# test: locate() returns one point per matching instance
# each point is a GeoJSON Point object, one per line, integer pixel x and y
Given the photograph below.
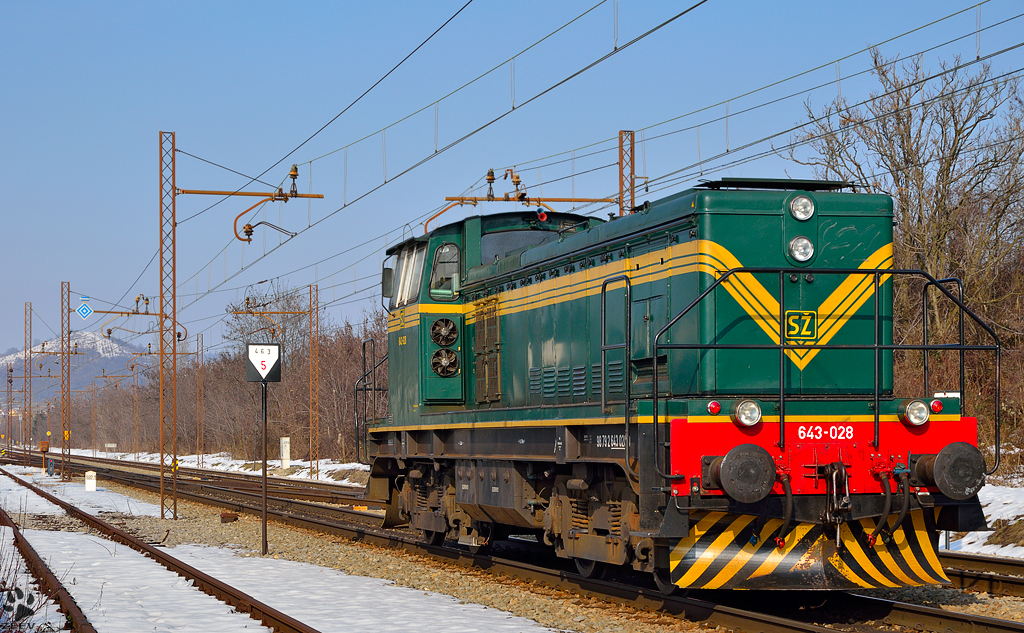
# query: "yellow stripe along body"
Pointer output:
{"type": "Point", "coordinates": [690, 257]}
{"type": "Point", "coordinates": [720, 553]}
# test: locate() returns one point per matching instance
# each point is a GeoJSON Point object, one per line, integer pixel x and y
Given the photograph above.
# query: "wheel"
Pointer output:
{"type": "Point", "coordinates": [590, 568]}
{"type": "Point", "coordinates": [430, 537]}
{"type": "Point", "coordinates": [663, 580]}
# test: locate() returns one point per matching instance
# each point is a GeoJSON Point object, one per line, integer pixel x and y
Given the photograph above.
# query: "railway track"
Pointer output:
{"type": "Point", "coordinates": [773, 615]}
{"type": "Point", "coordinates": [242, 602]}
{"type": "Point", "coordinates": [48, 582]}
{"type": "Point", "coordinates": [301, 489]}
{"type": "Point", "coordinates": [992, 574]}
{"type": "Point", "coordinates": [998, 576]}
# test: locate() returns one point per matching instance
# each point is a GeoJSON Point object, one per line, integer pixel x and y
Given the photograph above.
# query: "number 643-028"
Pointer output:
{"type": "Point", "coordinates": [818, 432]}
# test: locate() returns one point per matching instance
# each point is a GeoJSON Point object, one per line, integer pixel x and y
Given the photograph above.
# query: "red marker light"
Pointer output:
{"type": "Point", "coordinates": [714, 408]}
{"type": "Point", "coordinates": [543, 217]}
{"type": "Point", "coordinates": [936, 406]}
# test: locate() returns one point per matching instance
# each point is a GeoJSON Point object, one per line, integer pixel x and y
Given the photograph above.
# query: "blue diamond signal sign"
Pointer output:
{"type": "Point", "coordinates": [84, 311]}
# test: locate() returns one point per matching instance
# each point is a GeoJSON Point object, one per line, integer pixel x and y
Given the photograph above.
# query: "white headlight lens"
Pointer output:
{"type": "Point", "coordinates": [915, 412]}
{"type": "Point", "coordinates": [801, 249]}
{"type": "Point", "coordinates": [747, 413]}
{"type": "Point", "coordinates": [801, 208]}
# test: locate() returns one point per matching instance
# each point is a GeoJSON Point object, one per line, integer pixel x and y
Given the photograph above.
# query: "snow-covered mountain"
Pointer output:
{"type": "Point", "coordinates": [95, 356]}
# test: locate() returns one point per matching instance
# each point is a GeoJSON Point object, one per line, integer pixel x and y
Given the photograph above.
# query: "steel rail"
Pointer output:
{"type": "Point", "coordinates": [250, 501]}
{"type": "Point", "coordinates": [888, 612]}
{"type": "Point", "coordinates": [51, 585]}
{"type": "Point", "coordinates": [705, 611]}
{"type": "Point", "coordinates": [923, 618]}
{"type": "Point", "coordinates": [301, 489]}
{"type": "Point", "coordinates": [242, 602]}
{"type": "Point", "coordinates": [992, 574]}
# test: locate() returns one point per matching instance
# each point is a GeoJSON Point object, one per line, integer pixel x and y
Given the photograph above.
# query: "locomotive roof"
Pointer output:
{"type": "Point", "coordinates": [787, 184]}
{"type": "Point", "coordinates": [508, 220]}
{"type": "Point", "coordinates": [754, 196]}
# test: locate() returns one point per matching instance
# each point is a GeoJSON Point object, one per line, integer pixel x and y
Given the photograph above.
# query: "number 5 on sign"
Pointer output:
{"type": "Point", "coordinates": [263, 362]}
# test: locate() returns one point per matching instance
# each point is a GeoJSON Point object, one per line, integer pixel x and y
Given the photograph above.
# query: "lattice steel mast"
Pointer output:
{"type": "Point", "coordinates": [627, 172]}
{"type": "Point", "coordinates": [168, 333]}
{"type": "Point", "coordinates": [26, 411]}
{"type": "Point", "coordinates": [65, 381]}
{"type": "Point", "coordinates": [314, 381]}
{"type": "Point", "coordinates": [200, 445]}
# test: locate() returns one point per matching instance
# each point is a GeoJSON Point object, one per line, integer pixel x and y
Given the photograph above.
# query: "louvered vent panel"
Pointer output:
{"type": "Point", "coordinates": [615, 384]}
{"type": "Point", "coordinates": [579, 380]}
{"type": "Point", "coordinates": [535, 380]}
{"type": "Point", "coordinates": [549, 386]}
{"type": "Point", "coordinates": [564, 380]}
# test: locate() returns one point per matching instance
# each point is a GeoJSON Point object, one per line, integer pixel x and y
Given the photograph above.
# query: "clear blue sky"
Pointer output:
{"type": "Point", "coordinates": [88, 86]}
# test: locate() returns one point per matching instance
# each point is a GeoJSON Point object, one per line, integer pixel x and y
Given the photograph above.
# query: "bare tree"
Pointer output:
{"type": "Point", "coordinates": [948, 148]}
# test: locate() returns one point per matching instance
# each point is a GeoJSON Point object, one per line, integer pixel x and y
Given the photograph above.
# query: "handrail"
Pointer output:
{"type": "Point", "coordinates": [360, 386]}
{"type": "Point", "coordinates": [782, 346]}
{"type": "Point", "coordinates": [627, 347]}
{"type": "Point", "coordinates": [924, 322]}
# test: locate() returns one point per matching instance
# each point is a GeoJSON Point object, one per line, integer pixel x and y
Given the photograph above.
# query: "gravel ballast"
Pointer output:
{"type": "Point", "coordinates": [558, 609]}
{"type": "Point", "coordinates": [562, 610]}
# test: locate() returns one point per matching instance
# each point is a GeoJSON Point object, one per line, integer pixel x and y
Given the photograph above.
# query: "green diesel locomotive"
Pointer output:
{"type": "Point", "coordinates": [701, 389]}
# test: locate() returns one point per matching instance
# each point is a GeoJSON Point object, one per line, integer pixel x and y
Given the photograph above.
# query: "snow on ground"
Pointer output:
{"type": "Point", "coordinates": [22, 603]}
{"type": "Point", "coordinates": [17, 500]}
{"type": "Point", "coordinates": [331, 601]}
{"type": "Point", "coordinates": [998, 502]}
{"type": "Point", "coordinates": [299, 469]}
{"type": "Point", "coordinates": [103, 500]}
{"type": "Point", "coordinates": [121, 591]}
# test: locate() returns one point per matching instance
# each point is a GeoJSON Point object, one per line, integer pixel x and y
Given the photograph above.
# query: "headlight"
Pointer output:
{"type": "Point", "coordinates": [914, 412]}
{"type": "Point", "coordinates": [746, 412]}
{"type": "Point", "coordinates": [801, 249]}
{"type": "Point", "coordinates": [801, 208]}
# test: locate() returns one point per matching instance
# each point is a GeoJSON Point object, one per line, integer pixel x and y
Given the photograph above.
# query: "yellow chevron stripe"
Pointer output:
{"type": "Point", "coordinates": [840, 565]}
{"type": "Point", "coordinates": [794, 537]}
{"type": "Point", "coordinates": [899, 537]}
{"type": "Point", "coordinates": [744, 555]}
{"type": "Point", "coordinates": [714, 550]}
{"type": "Point", "coordinates": [679, 552]}
{"type": "Point", "coordinates": [883, 553]}
{"type": "Point", "coordinates": [925, 540]}
{"type": "Point", "coordinates": [853, 546]}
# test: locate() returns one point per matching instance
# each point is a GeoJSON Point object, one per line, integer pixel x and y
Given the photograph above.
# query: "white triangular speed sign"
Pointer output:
{"type": "Point", "coordinates": [264, 358]}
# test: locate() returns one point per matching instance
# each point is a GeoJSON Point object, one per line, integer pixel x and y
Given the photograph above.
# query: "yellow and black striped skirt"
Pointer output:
{"type": "Point", "coordinates": [734, 551]}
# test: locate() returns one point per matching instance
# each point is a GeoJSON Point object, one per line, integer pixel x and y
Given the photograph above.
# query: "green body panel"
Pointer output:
{"type": "Point", "coordinates": [549, 304]}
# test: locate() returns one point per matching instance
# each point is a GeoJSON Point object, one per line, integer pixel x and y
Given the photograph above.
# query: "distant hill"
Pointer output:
{"type": "Point", "coordinates": [96, 355]}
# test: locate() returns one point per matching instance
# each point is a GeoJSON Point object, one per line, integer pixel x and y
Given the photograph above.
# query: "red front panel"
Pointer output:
{"type": "Point", "coordinates": [809, 444]}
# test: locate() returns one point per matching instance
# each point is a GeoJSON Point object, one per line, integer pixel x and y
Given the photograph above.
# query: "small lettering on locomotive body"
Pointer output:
{"type": "Point", "coordinates": [610, 440]}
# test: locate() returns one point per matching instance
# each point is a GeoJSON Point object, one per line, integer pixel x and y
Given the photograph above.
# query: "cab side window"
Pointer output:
{"type": "Point", "coordinates": [444, 277]}
{"type": "Point", "coordinates": [408, 273]}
